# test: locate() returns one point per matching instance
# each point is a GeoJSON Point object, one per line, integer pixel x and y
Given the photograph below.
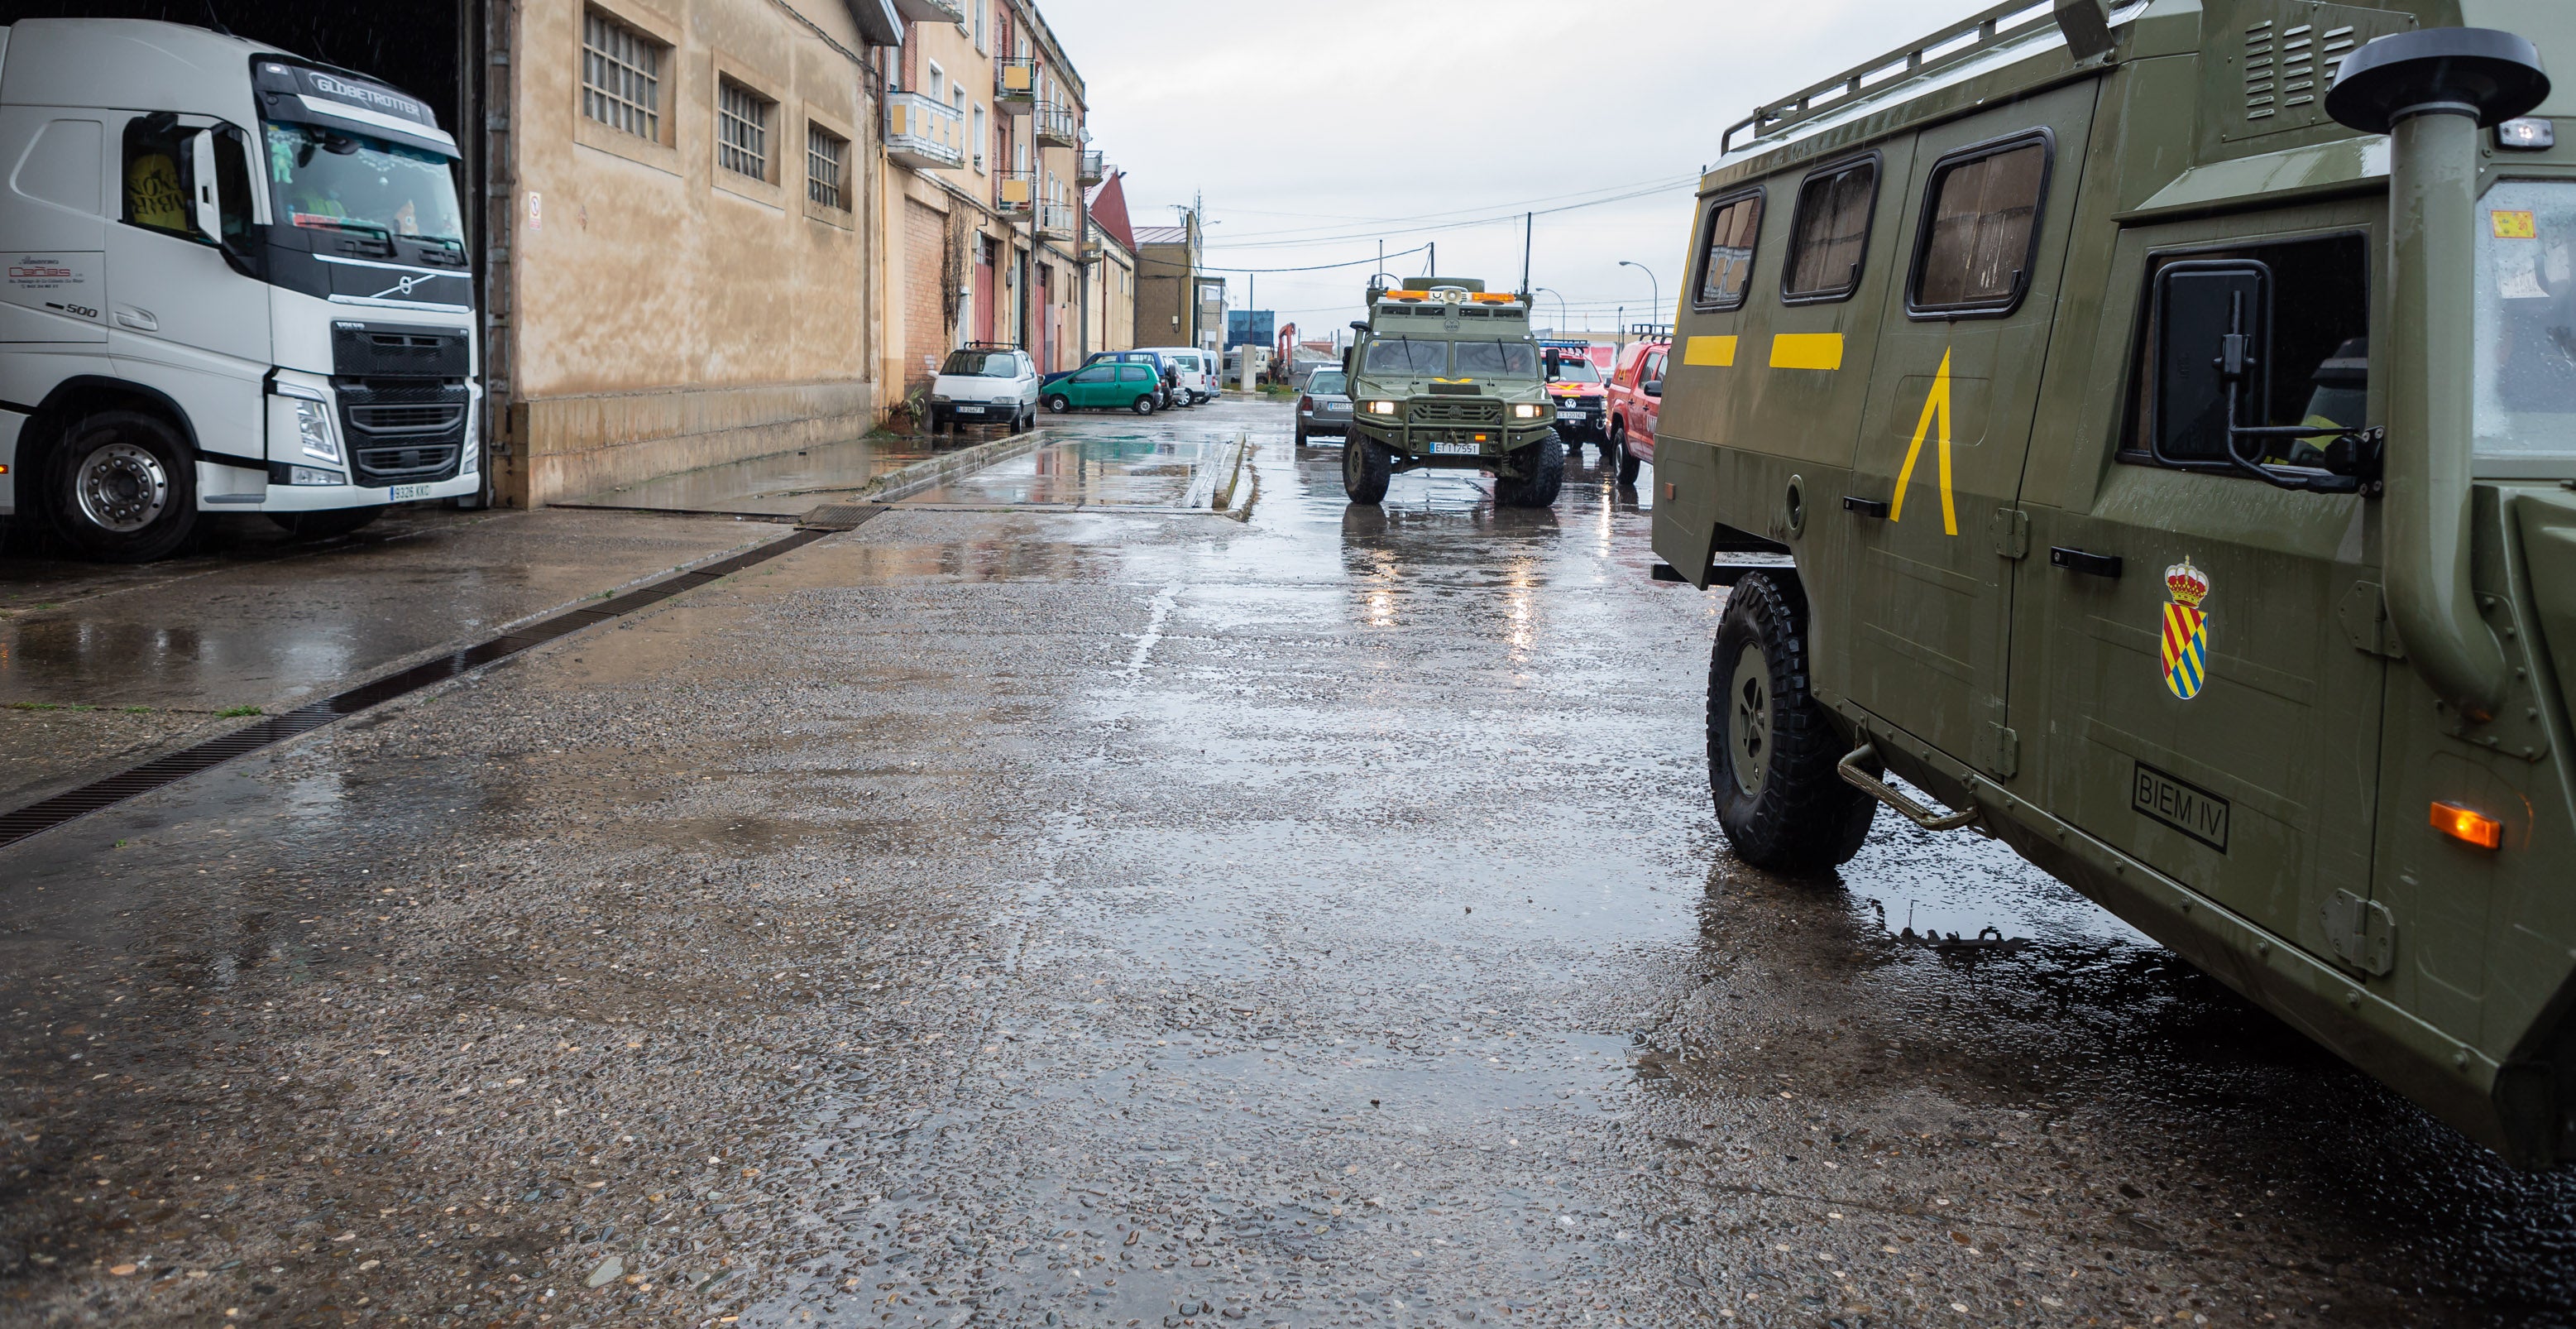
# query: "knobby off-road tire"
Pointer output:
{"type": "Point", "coordinates": [1771, 749]}
{"type": "Point", "coordinates": [121, 487]}
{"type": "Point", "coordinates": [321, 525]}
{"type": "Point", "coordinates": [1544, 461]}
{"type": "Point", "coordinates": [1366, 470]}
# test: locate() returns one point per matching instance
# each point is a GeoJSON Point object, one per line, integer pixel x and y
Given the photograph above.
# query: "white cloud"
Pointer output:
{"type": "Point", "coordinates": [1303, 123]}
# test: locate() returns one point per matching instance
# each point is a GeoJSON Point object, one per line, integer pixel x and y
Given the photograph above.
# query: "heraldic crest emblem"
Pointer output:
{"type": "Point", "coordinates": [2185, 648]}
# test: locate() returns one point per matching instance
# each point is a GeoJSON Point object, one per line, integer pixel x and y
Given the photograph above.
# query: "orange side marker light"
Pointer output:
{"type": "Point", "coordinates": [2468, 827]}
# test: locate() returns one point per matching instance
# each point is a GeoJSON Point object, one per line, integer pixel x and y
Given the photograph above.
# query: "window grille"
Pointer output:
{"type": "Point", "coordinates": [742, 130]}
{"type": "Point", "coordinates": [824, 152]}
{"type": "Point", "coordinates": [621, 77]}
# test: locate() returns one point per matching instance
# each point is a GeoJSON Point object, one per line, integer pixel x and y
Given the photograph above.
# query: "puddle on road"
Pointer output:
{"type": "Point", "coordinates": [787, 484]}
{"type": "Point", "coordinates": [1140, 466]}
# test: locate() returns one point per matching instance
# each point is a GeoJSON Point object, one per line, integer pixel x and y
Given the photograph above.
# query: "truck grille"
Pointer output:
{"type": "Point", "coordinates": [1456, 413]}
{"type": "Point", "coordinates": [404, 432]}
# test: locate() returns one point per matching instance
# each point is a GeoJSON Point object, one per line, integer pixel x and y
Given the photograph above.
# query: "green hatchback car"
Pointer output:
{"type": "Point", "coordinates": [1105, 386]}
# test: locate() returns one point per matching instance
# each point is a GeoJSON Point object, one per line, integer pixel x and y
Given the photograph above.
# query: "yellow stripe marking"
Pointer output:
{"type": "Point", "coordinates": [1717, 351]}
{"type": "Point", "coordinates": [1807, 350]}
{"type": "Point", "coordinates": [1936, 401]}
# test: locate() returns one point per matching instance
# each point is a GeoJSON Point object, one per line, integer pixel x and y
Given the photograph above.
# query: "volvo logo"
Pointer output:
{"type": "Point", "coordinates": [405, 286]}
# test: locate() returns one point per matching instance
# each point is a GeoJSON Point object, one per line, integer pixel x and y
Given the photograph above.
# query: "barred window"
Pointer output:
{"type": "Point", "coordinates": [824, 153]}
{"type": "Point", "coordinates": [621, 76]}
{"type": "Point", "coordinates": [742, 129]}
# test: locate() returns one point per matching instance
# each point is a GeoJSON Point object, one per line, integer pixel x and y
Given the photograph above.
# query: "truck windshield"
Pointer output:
{"type": "Point", "coordinates": [1497, 359]}
{"type": "Point", "coordinates": [1403, 355]}
{"type": "Point", "coordinates": [2526, 321]}
{"type": "Point", "coordinates": [328, 179]}
{"type": "Point", "coordinates": [1574, 371]}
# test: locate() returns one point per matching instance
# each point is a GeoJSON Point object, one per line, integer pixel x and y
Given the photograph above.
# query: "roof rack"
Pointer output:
{"type": "Point", "coordinates": [1958, 42]}
{"type": "Point", "coordinates": [990, 346]}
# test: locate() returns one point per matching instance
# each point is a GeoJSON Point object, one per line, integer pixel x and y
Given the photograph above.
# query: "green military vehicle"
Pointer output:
{"type": "Point", "coordinates": [2149, 430]}
{"type": "Point", "coordinates": [1445, 375]}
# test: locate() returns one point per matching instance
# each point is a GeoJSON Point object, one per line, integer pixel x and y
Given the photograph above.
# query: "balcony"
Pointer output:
{"type": "Point", "coordinates": [1015, 193]}
{"type": "Point", "coordinates": [1058, 126]}
{"type": "Point", "coordinates": [924, 134]}
{"type": "Point", "coordinates": [1094, 168]}
{"type": "Point", "coordinates": [1057, 221]}
{"type": "Point", "coordinates": [1015, 82]}
{"type": "Point", "coordinates": [932, 11]}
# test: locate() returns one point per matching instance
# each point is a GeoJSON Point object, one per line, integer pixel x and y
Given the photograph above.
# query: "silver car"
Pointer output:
{"type": "Point", "coordinates": [1326, 407]}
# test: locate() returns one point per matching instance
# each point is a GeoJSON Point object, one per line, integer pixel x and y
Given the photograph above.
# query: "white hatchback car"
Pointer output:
{"type": "Point", "coordinates": [982, 385]}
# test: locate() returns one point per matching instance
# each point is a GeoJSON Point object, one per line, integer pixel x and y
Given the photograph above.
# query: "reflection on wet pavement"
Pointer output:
{"type": "Point", "coordinates": [1039, 917]}
{"type": "Point", "coordinates": [787, 484]}
{"type": "Point", "coordinates": [1168, 461]}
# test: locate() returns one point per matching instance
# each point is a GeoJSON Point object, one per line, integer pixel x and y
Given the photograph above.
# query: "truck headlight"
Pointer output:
{"type": "Point", "coordinates": [1525, 412]}
{"type": "Point", "coordinates": [1381, 408]}
{"type": "Point", "coordinates": [307, 475]}
{"type": "Point", "coordinates": [314, 431]}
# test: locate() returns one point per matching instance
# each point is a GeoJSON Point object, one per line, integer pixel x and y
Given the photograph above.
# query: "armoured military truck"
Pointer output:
{"type": "Point", "coordinates": [1445, 374]}
{"type": "Point", "coordinates": [2149, 431]}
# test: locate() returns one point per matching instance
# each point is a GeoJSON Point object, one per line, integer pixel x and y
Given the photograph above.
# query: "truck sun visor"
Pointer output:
{"type": "Point", "coordinates": [321, 96]}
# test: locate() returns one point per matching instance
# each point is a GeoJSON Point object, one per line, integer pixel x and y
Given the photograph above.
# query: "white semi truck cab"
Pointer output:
{"type": "Point", "coordinates": [236, 281]}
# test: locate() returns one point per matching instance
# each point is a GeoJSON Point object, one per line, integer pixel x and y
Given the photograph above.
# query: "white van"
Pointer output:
{"type": "Point", "coordinates": [986, 384]}
{"type": "Point", "coordinates": [235, 281]}
{"type": "Point", "coordinates": [1197, 376]}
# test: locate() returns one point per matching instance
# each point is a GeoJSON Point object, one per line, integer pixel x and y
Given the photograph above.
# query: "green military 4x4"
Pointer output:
{"type": "Point", "coordinates": [1445, 375]}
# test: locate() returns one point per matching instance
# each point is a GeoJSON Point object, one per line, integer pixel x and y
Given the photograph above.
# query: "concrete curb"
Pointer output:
{"type": "Point", "coordinates": [926, 473]}
{"type": "Point", "coordinates": [1233, 496]}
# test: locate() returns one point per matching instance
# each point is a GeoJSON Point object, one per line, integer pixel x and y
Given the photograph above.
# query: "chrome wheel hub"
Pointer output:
{"type": "Point", "coordinates": [121, 488]}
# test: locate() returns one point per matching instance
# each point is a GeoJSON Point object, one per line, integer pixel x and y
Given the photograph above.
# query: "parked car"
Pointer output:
{"type": "Point", "coordinates": [1195, 374]}
{"type": "Point", "coordinates": [985, 385]}
{"type": "Point", "coordinates": [1166, 372]}
{"type": "Point", "coordinates": [1635, 393]}
{"type": "Point", "coordinates": [1326, 406]}
{"type": "Point", "coordinates": [1111, 385]}
{"type": "Point", "coordinates": [1574, 383]}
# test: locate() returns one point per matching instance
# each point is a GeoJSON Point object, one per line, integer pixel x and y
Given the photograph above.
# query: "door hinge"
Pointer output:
{"type": "Point", "coordinates": [2003, 751]}
{"type": "Point", "coordinates": [2361, 933]}
{"type": "Point", "coordinates": [2365, 621]}
{"type": "Point", "coordinates": [2012, 532]}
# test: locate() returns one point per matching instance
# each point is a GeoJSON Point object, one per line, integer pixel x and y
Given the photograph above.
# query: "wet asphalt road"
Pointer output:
{"type": "Point", "coordinates": [1124, 918]}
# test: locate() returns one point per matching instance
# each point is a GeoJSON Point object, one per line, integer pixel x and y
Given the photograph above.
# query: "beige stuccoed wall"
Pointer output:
{"type": "Point", "coordinates": [672, 314]}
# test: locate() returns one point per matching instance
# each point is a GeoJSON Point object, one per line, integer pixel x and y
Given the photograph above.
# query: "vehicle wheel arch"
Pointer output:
{"type": "Point", "coordinates": [87, 394]}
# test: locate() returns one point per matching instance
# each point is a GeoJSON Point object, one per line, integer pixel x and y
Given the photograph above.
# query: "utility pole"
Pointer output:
{"type": "Point", "coordinates": [1435, 260]}
{"type": "Point", "coordinates": [1527, 220]}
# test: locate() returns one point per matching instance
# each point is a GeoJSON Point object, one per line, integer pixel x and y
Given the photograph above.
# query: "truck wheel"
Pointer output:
{"type": "Point", "coordinates": [322, 525]}
{"type": "Point", "coordinates": [1610, 447]}
{"type": "Point", "coordinates": [1544, 462]}
{"type": "Point", "coordinates": [1366, 469]}
{"type": "Point", "coordinates": [1771, 749]}
{"type": "Point", "coordinates": [122, 487]}
{"type": "Point", "coordinates": [1627, 463]}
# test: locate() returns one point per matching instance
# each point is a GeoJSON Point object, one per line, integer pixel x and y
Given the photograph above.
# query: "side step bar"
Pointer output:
{"type": "Point", "coordinates": [1853, 774]}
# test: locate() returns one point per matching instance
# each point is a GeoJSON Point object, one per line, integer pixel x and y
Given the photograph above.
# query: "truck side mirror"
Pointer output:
{"type": "Point", "coordinates": [2213, 335]}
{"type": "Point", "coordinates": [203, 202]}
{"type": "Point", "coordinates": [1654, 387]}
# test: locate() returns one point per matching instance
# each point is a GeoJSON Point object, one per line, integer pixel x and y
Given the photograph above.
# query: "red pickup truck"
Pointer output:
{"type": "Point", "coordinates": [1634, 394]}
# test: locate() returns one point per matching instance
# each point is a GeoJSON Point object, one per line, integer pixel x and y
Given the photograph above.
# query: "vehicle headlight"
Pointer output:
{"type": "Point", "coordinates": [940, 399]}
{"type": "Point", "coordinates": [1381, 408]}
{"type": "Point", "coordinates": [307, 475]}
{"type": "Point", "coordinates": [314, 431]}
{"type": "Point", "coordinates": [1525, 411]}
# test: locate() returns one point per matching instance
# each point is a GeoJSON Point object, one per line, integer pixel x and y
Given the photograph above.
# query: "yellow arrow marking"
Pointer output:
{"type": "Point", "coordinates": [1938, 402]}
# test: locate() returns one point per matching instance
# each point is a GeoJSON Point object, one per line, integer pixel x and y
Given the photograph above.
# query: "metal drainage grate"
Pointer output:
{"type": "Point", "coordinates": [37, 818]}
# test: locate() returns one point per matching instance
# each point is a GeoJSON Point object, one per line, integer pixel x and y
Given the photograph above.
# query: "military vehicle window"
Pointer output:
{"type": "Point", "coordinates": [1402, 355]}
{"type": "Point", "coordinates": [1726, 259]}
{"type": "Point", "coordinates": [1980, 229]}
{"type": "Point", "coordinates": [1497, 359]}
{"type": "Point", "coordinates": [2526, 321]}
{"type": "Point", "coordinates": [1829, 232]}
{"type": "Point", "coordinates": [2306, 306]}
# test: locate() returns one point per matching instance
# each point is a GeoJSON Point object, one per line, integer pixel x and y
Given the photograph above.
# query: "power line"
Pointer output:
{"type": "Point", "coordinates": [1660, 182]}
{"type": "Point", "coordinates": [1444, 226]}
{"type": "Point", "coordinates": [1322, 267]}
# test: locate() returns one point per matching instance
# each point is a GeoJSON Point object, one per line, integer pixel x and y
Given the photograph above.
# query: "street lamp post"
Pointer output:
{"type": "Point", "coordinates": [1562, 317]}
{"type": "Point", "coordinates": [1650, 276]}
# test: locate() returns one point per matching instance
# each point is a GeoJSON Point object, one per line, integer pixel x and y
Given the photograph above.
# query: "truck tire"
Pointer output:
{"type": "Point", "coordinates": [1545, 463]}
{"type": "Point", "coordinates": [1771, 748]}
{"type": "Point", "coordinates": [1610, 447]}
{"type": "Point", "coordinates": [121, 487]}
{"type": "Point", "coordinates": [323, 525]}
{"type": "Point", "coordinates": [1366, 469]}
{"type": "Point", "coordinates": [1627, 462]}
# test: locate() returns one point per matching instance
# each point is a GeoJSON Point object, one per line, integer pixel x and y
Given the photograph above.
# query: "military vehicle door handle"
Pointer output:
{"type": "Point", "coordinates": [1867, 507]}
{"type": "Point", "coordinates": [2092, 565]}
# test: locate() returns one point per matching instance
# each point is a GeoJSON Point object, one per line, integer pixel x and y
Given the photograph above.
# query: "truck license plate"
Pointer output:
{"type": "Point", "coordinates": [1577, 417]}
{"type": "Point", "coordinates": [406, 493]}
{"type": "Point", "coordinates": [1457, 449]}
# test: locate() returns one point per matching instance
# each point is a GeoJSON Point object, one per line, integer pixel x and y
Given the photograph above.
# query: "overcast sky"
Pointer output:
{"type": "Point", "coordinates": [1314, 127]}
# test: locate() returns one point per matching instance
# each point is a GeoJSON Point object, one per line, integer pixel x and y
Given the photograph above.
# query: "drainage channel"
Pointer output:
{"type": "Point", "coordinates": [37, 818]}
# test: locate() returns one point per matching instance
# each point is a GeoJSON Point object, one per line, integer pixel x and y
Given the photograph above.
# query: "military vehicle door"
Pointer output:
{"type": "Point", "coordinates": [1947, 422]}
{"type": "Point", "coordinates": [2201, 657]}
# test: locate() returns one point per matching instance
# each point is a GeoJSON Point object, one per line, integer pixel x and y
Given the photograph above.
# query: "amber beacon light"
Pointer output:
{"type": "Point", "coordinates": [2468, 827]}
